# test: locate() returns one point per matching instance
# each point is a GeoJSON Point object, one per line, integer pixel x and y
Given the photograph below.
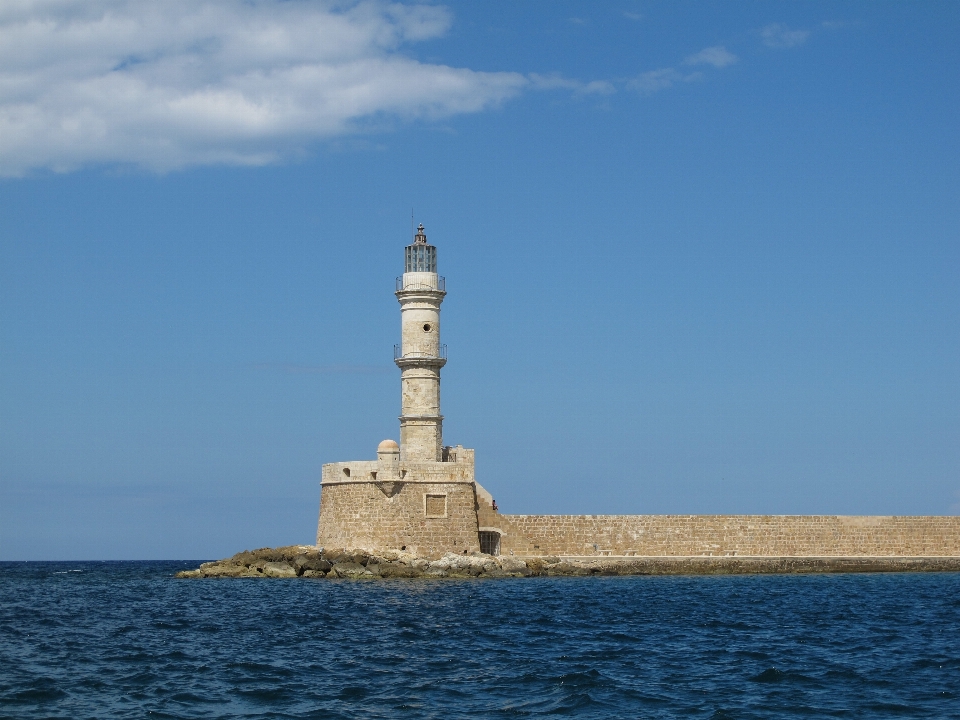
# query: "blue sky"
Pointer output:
{"type": "Point", "coordinates": [700, 258]}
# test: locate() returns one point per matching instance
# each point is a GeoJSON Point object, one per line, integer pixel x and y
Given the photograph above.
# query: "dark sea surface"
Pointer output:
{"type": "Point", "coordinates": [126, 639]}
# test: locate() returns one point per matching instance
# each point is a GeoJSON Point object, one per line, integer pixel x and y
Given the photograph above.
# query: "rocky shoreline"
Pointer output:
{"type": "Point", "coordinates": [306, 561]}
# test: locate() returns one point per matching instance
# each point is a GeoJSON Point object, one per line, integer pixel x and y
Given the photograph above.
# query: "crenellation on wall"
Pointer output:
{"type": "Point", "coordinates": [355, 471]}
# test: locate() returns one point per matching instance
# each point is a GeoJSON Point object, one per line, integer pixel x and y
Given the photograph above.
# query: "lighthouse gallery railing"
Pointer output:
{"type": "Point", "coordinates": [417, 353]}
{"type": "Point", "coordinates": [441, 285]}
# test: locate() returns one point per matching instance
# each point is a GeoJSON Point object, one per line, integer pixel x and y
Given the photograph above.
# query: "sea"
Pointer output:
{"type": "Point", "coordinates": [128, 640]}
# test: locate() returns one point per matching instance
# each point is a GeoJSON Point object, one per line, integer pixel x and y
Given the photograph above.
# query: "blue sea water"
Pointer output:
{"type": "Point", "coordinates": [127, 640]}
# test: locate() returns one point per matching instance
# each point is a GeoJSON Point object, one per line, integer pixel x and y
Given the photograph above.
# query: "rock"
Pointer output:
{"type": "Point", "coordinates": [223, 568]}
{"type": "Point", "coordinates": [566, 568]}
{"type": "Point", "coordinates": [513, 565]}
{"type": "Point", "coordinates": [348, 565]}
{"type": "Point", "coordinates": [336, 557]}
{"type": "Point", "coordinates": [282, 554]}
{"type": "Point", "coordinates": [350, 570]}
{"type": "Point", "coordinates": [311, 562]}
{"type": "Point", "coordinates": [496, 572]}
{"type": "Point", "coordinates": [472, 565]}
{"type": "Point", "coordinates": [536, 566]}
{"type": "Point", "coordinates": [396, 570]}
{"type": "Point", "coordinates": [616, 568]}
{"type": "Point", "coordinates": [360, 557]}
{"type": "Point", "coordinates": [268, 554]}
{"type": "Point", "coordinates": [331, 554]}
{"type": "Point", "coordinates": [303, 563]}
{"type": "Point", "coordinates": [446, 562]}
{"type": "Point", "coordinates": [244, 558]}
{"type": "Point", "coordinates": [279, 570]}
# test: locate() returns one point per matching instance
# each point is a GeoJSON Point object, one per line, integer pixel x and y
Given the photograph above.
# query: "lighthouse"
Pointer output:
{"type": "Point", "coordinates": [419, 495]}
{"type": "Point", "coordinates": [420, 354]}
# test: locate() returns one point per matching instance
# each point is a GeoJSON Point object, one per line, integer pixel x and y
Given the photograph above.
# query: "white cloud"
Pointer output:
{"type": "Point", "coordinates": [578, 87]}
{"type": "Point", "coordinates": [655, 80]}
{"type": "Point", "coordinates": [175, 83]}
{"type": "Point", "coordinates": [718, 56]}
{"type": "Point", "coordinates": [778, 35]}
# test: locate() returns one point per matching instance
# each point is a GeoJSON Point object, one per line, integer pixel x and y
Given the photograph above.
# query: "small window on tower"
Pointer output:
{"type": "Point", "coordinates": [426, 328]}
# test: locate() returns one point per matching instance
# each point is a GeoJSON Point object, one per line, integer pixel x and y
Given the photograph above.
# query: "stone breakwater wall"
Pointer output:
{"type": "Point", "coordinates": [304, 561]}
{"type": "Point", "coordinates": [727, 535]}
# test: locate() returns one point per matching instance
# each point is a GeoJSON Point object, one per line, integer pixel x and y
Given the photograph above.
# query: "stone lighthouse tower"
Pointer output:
{"type": "Point", "coordinates": [420, 355]}
{"type": "Point", "coordinates": [419, 496]}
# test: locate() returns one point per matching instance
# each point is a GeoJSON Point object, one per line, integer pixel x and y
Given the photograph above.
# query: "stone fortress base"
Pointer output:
{"type": "Point", "coordinates": [396, 515]}
{"type": "Point", "coordinates": [361, 513]}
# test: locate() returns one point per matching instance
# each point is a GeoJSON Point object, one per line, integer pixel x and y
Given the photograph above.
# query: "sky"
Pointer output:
{"type": "Point", "coordinates": [700, 258]}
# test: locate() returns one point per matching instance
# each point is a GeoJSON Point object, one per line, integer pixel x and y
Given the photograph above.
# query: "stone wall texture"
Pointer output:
{"type": "Point", "coordinates": [394, 515]}
{"type": "Point", "coordinates": [726, 535]}
{"type": "Point", "coordinates": [363, 508]}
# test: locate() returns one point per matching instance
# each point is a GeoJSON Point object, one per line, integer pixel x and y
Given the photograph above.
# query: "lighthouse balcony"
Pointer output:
{"type": "Point", "coordinates": [429, 281]}
{"type": "Point", "coordinates": [415, 354]}
{"type": "Point", "coordinates": [420, 351]}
